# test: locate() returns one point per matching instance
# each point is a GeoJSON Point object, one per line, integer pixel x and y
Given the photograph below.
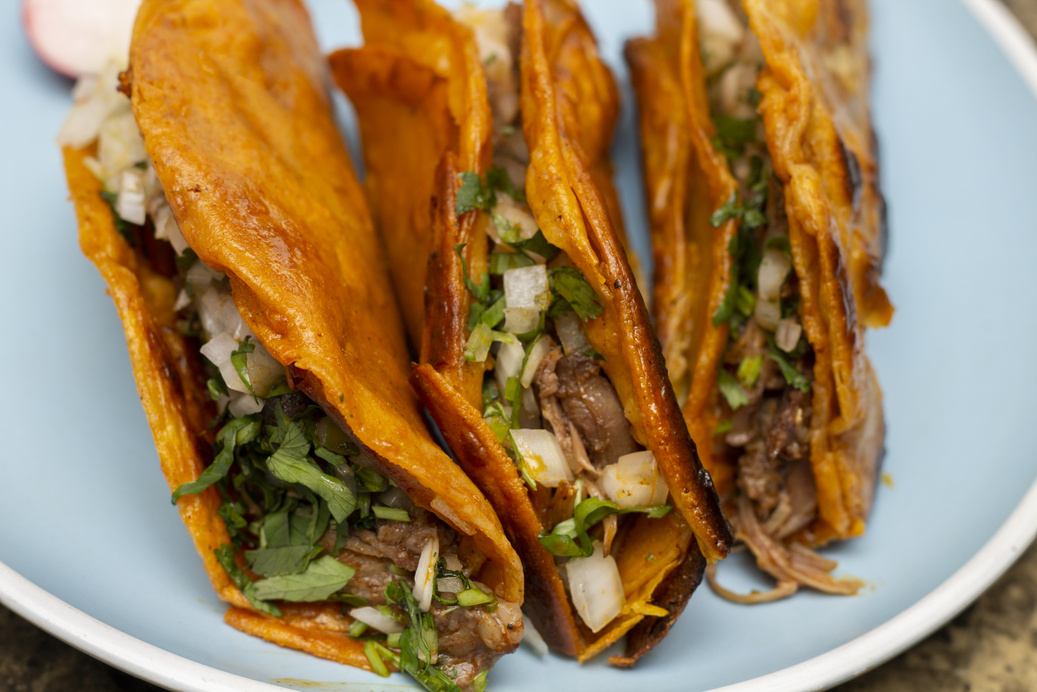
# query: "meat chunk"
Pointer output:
{"type": "Point", "coordinates": [591, 404]}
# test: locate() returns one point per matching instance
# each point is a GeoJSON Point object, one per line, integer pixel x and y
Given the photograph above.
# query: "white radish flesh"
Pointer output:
{"type": "Point", "coordinates": [77, 38]}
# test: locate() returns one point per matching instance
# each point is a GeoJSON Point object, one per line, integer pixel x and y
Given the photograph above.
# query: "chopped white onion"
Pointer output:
{"type": "Point", "coordinates": [532, 637]}
{"type": "Point", "coordinates": [537, 352]}
{"type": "Point", "coordinates": [130, 202]}
{"type": "Point", "coordinates": [96, 100]}
{"type": "Point", "coordinates": [509, 363]}
{"type": "Point", "coordinates": [597, 590]}
{"type": "Point", "coordinates": [786, 336]}
{"type": "Point", "coordinates": [634, 481]}
{"type": "Point", "coordinates": [218, 350]}
{"type": "Point", "coordinates": [452, 562]}
{"type": "Point", "coordinates": [734, 86]}
{"type": "Point", "coordinates": [543, 456]}
{"type": "Point", "coordinates": [449, 585]}
{"type": "Point", "coordinates": [570, 333]}
{"type": "Point", "coordinates": [516, 217]}
{"type": "Point", "coordinates": [774, 267]}
{"type": "Point", "coordinates": [521, 320]}
{"type": "Point", "coordinates": [425, 575]}
{"type": "Point", "coordinates": [201, 277]}
{"type": "Point", "coordinates": [767, 313]}
{"type": "Point", "coordinates": [720, 32]}
{"type": "Point", "coordinates": [244, 405]}
{"type": "Point", "coordinates": [218, 314]}
{"type": "Point", "coordinates": [372, 617]}
{"type": "Point", "coordinates": [167, 228]}
{"type": "Point", "coordinates": [527, 287]}
{"type": "Point", "coordinates": [263, 371]}
{"type": "Point", "coordinates": [119, 146]}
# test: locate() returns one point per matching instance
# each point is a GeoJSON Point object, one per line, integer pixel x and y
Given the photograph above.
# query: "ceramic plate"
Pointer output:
{"type": "Point", "coordinates": [92, 551]}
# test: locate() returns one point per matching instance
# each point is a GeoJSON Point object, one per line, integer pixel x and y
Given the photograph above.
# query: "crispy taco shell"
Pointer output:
{"type": "Point", "coordinates": [578, 212]}
{"type": "Point", "coordinates": [231, 102]}
{"type": "Point", "coordinates": [814, 109]}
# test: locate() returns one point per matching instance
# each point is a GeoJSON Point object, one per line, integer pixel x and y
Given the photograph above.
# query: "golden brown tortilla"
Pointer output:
{"type": "Point", "coordinates": [818, 132]}
{"type": "Point", "coordinates": [560, 67]}
{"type": "Point", "coordinates": [231, 103]}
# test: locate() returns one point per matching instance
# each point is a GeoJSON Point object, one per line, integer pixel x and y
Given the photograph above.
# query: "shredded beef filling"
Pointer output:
{"type": "Point", "coordinates": [470, 639]}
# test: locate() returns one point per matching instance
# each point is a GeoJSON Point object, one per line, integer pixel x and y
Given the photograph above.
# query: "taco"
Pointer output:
{"type": "Point", "coordinates": [768, 228]}
{"type": "Point", "coordinates": [270, 354]}
{"type": "Point", "coordinates": [538, 361]}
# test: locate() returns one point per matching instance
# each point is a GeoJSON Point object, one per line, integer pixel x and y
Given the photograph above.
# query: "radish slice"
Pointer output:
{"type": "Point", "coordinates": [597, 590]}
{"type": "Point", "coordinates": [543, 456]}
{"type": "Point", "coordinates": [77, 38]}
{"type": "Point", "coordinates": [372, 617]}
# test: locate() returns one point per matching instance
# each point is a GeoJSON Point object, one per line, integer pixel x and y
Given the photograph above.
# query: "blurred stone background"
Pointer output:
{"type": "Point", "coordinates": [990, 647]}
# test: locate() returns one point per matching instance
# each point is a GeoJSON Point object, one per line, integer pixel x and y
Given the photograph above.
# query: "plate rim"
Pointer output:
{"type": "Point", "coordinates": [868, 651]}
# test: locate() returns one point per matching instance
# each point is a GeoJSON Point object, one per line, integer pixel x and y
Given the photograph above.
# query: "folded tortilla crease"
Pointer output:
{"type": "Point", "coordinates": [418, 36]}
{"type": "Point", "coordinates": [231, 103]}
{"type": "Point", "coordinates": [814, 108]}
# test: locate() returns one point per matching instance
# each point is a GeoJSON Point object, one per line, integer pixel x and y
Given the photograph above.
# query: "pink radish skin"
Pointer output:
{"type": "Point", "coordinates": [77, 37]}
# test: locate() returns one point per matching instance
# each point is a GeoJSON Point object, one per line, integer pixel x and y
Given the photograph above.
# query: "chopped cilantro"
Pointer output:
{"type": "Point", "coordinates": [731, 389]}
{"type": "Point", "coordinates": [570, 285]}
{"type": "Point", "coordinates": [749, 370]}
{"type": "Point", "coordinates": [570, 539]}
{"type": "Point", "coordinates": [390, 513]}
{"type": "Point", "coordinates": [239, 359]}
{"type": "Point", "coordinates": [793, 376]}
{"type": "Point", "coordinates": [320, 579]}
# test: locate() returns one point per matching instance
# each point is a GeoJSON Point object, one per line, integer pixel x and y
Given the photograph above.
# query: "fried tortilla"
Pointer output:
{"type": "Point", "coordinates": [317, 437]}
{"type": "Point", "coordinates": [768, 230]}
{"type": "Point", "coordinates": [522, 183]}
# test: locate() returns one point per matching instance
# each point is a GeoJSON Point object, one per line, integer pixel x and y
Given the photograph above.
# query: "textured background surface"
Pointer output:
{"type": "Point", "coordinates": [991, 646]}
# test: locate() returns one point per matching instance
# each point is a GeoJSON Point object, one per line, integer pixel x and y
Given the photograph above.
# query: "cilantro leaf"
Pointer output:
{"type": "Point", "coordinates": [731, 389]}
{"type": "Point", "coordinates": [570, 539]}
{"type": "Point", "coordinates": [472, 195]}
{"type": "Point", "coordinates": [291, 464]}
{"type": "Point", "coordinates": [570, 285]}
{"type": "Point", "coordinates": [239, 359]}
{"type": "Point", "coordinates": [270, 562]}
{"type": "Point", "coordinates": [538, 244]}
{"type": "Point", "coordinates": [225, 555]}
{"type": "Point", "coordinates": [501, 262]}
{"type": "Point", "coordinates": [239, 431]}
{"type": "Point", "coordinates": [321, 578]}
{"type": "Point", "coordinates": [479, 290]}
{"type": "Point", "coordinates": [418, 642]}
{"type": "Point", "coordinates": [497, 179]}
{"type": "Point", "coordinates": [793, 376]}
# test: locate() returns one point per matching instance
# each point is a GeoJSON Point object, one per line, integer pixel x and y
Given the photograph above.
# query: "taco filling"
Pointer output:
{"type": "Point", "coordinates": [765, 376]}
{"type": "Point", "coordinates": [311, 517]}
{"type": "Point", "coordinates": [544, 392]}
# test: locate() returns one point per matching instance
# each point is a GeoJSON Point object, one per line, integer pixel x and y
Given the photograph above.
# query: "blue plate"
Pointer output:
{"type": "Point", "coordinates": [92, 551]}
